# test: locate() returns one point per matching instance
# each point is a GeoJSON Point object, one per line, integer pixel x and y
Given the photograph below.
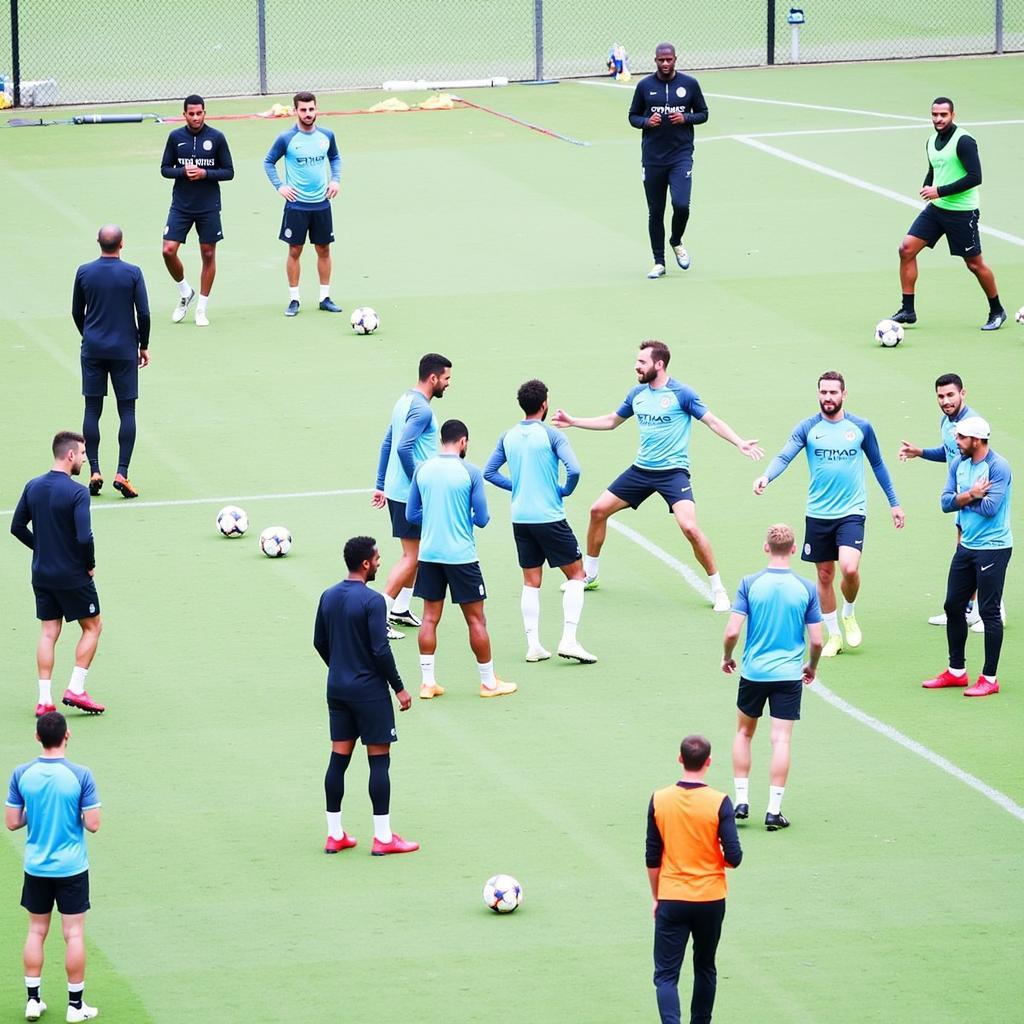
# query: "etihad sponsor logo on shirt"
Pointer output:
{"type": "Point", "coordinates": [835, 454]}
{"type": "Point", "coordinates": [647, 420]}
{"type": "Point", "coordinates": [317, 159]}
{"type": "Point", "coordinates": [668, 108]}
{"type": "Point", "coordinates": [197, 161]}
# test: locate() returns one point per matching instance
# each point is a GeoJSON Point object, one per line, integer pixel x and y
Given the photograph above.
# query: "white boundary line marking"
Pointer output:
{"type": "Point", "coordinates": [845, 131]}
{"type": "Point", "coordinates": [997, 797]}
{"type": "Point", "coordinates": [849, 179]}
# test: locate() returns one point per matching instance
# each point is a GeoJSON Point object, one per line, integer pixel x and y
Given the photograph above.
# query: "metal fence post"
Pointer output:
{"type": "Point", "coordinates": [15, 54]}
{"type": "Point", "coordinates": [261, 44]}
{"type": "Point", "coordinates": [770, 39]}
{"type": "Point", "coordinates": [999, 26]}
{"type": "Point", "coordinates": [538, 40]}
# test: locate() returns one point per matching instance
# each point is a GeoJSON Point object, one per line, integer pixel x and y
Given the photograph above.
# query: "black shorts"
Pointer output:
{"type": "Point", "coordinates": [434, 579]}
{"type": "Point", "coordinates": [71, 894]}
{"type": "Point", "coordinates": [824, 537]}
{"type": "Point", "coordinates": [180, 222]}
{"type": "Point", "coordinates": [123, 374]}
{"type": "Point", "coordinates": [554, 541]}
{"type": "Point", "coordinates": [959, 226]}
{"type": "Point", "coordinates": [636, 485]}
{"type": "Point", "coordinates": [297, 222]}
{"type": "Point", "coordinates": [372, 721]}
{"type": "Point", "coordinates": [783, 699]}
{"type": "Point", "coordinates": [677, 177]}
{"type": "Point", "coordinates": [71, 605]}
{"type": "Point", "coordinates": [400, 526]}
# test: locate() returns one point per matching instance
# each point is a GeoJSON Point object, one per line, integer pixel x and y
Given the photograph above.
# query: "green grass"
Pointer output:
{"type": "Point", "coordinates": [892, 898]}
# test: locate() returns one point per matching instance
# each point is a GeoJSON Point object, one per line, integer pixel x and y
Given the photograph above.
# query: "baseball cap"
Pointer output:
{"type": "Point", "coordinates": [974, 426]}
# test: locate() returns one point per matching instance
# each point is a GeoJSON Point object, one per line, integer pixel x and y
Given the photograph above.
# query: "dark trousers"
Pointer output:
{"type": "Point", "coordinates": [657, 183]}
{"type": "Point", "coordinates": [984, 571]}
{"type": "Point", "coordinates": [674, 923]}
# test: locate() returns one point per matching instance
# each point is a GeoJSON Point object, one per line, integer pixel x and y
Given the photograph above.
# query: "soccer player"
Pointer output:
{"type": "Point", "coordinates": [57, 801]}
{"type": "Point", "coordinates": [110, 308]}
{"type": "Point", "coordinates": [447, 498]}
{"type": "Point", "coordinates": [978, 488]}
{"type": "Point", "coordinates": [411, 438]}
{"type": "Point", "coordinates": [665, 107]}
{"type": "Point", "coordinates": [198, 159]}
{"type": "Point", "coordinates": [63, 566]}
{"type": "Point", "coordinates": [949, 390]}
{"type": "Point", "coordinates": [951, 189]}
{"type": "Point", "coordinates": [778, 607]}
{"type": "Point", "coordinates": [312, 179]}
{"type": "Point", "coordinates": [663, 408]}
{"type": "Point", "coordinates": [691, 840]}
{"type": "Point", "coordinates": [533, 452]}
{"type": "Point", "coordinates": [350, 635]}
{"type": "Point", "coordinates": [836, 444]}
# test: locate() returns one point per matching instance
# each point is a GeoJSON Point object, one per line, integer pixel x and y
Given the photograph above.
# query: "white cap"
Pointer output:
{"type": "Point", "coordinates": [973, 426]}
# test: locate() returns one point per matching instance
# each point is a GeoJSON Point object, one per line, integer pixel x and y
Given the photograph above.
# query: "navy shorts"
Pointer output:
{"type": "Point", "coordinates": [434, 579]}
{"type": "Point", "coordinates": [636, 485]}
{"type": "Point", "coordinates": [71, 894]}
{"type": "Point", "coordinates": [959, 226]}
{"type": "Point", "coordinates": [372, 721]}
{"type": "Point", "coordinates": [207, 225]}
{"type": "Point", "coordinates": [824, 537]}
{"type": "Point", "coordinates": [783, 699]}
{"type": "Point", "coordinates": [554, 541]}
{"type": "Point", "coordinates": [71, 605]}
{"type": "Point", "coordinates": [123, 374]}
{"type": "Point", "coordinates": [400, 526]}
{"type": "Point", "coordinates": [297, 222]}
{"type": "Point", "coordinates": [677, 178]}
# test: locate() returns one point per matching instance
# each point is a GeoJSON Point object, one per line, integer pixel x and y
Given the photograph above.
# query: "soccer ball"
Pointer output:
{"type": "Point", "coordinates": [365, 320]}
{"type": "Point", "coordinates": [275, 541]}
{"type": "Point", "coordinates": [232, 521]}
{"type": "Point", "coordinates": [1020, 315]}
{"type": "Point", "coordinates": [888, 333]}
{"type": "Point", "coordinates": [502, 894]}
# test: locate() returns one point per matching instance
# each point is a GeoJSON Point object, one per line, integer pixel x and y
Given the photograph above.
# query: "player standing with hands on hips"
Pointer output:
{"type": "Point", "coordinates": [665, 107]}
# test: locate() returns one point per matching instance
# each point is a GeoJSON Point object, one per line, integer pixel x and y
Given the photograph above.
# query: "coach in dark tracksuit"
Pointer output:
{"type": "Point", "coordinates": [666, 106]}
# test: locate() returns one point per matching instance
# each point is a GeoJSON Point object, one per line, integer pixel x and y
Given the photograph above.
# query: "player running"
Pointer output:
{"type": "Point", "coordinates": [312, 179]}
{"type": "Point", "coordinates": [836, 444]}
{"type": "Point", "coordinates": [951, 188]}
{"type": "Point", "coordinates": [447, 497]}
{"type": "Point", "coordinates": [664, 408]}
{"type": "Point", "coordinates": [198, 159]}
{"type": "Point", "coordinates": [533, 452]}
{"type": "Point", "coordinates": [411, 438]}
{"type": "Point", "coordinates": [778, 607]}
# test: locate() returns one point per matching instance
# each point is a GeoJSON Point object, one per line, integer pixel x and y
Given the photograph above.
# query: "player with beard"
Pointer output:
{"type": "Point", "coordinates": [664, 409]}
{"type": "Point", "coordinates": [836, 444]}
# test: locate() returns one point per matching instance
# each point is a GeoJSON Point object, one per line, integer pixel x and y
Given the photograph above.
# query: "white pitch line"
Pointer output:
{"type": "Point", "coordinates": [217, 501]}
{"type": "Point", "coordinates": [845, 131]}
{"type": "Point", "coordinates": [849, 179]}
{"type": "Point", "coordinates": [888, 731]}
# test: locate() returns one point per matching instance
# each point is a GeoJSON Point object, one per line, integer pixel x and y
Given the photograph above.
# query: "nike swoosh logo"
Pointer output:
{"type": "Point", "coordinates": [989, 566]}
{"type": "Point", "coordinates": [182, 143]}
{"type": "Point", "coordinates": [858, 542]}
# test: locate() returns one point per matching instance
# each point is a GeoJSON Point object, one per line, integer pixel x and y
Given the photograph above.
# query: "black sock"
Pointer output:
{"type": "Point", "coordinates": [334, 780]}
{"type": "Point", "coordinates": [91, 430]}
{"type": "Point", "coordinates": [126, 434]}
{"type": "Point", "coordinates": [75, 998]}
{"type": "Point", "coordinates": [33, 993]}
{"type": "Point", "coordinates": [908, 302]}
{"type": "Point", "coordinates": [380, 783]}
{"type": "Point", "coordinates": [994, 305]}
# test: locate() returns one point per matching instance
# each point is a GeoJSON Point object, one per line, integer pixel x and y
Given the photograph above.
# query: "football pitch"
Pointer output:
{"type": "Point", "coordinates": [894, 897]}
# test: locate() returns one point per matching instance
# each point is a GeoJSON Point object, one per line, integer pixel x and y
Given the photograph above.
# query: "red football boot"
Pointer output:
{"type": "Point", "coordinates": [346, 842]}
{"type": "Point", "coordinates": [397, 845]}
{"type": "Point", "coordinates": [982, 688]}
{"type": "Point", "coordinates": [83, 702]}
{"type": "Point", "coordinates": [44, 709]}
{"type": "Point", "coordinates": [945, 679]}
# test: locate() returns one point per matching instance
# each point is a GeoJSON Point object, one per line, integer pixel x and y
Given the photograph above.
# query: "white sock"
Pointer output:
{"type": "Point", "coordinates": [184, 288]}
{"type": "Point", "coordinates": [715, 582]}
{"type": "Point", "coordinates": [590, 565]}
{"type": "Point", "coordinates": [33, 982]}
{"type": "Point", "coordinates": [325, 292]}
{"type": "Point", "coordinates": [401, 602]}
{"type": "Point", "coordinates": [775, 799]}
{"type": "Point", "coordinates": [45, 696]}
{"type": "Point", "coordinates": [201, 304]}
{"type": "Point", "coordinates": [487, 675]}
{"type": "Point", "coordinates": [75, 990]}
{"type": "Point", "coordinates": [831, 622]}
{"type": "Point", "coordinates": [293, 293]}
{"type": "Point", "coordinates": [77, 684]}
{"type": "Point", "coordinates": [426, 669]}
{"type": "Point", "coordinates": [847, 608]}
{"type": "Point", "coordinates": [957, 671]}
{"type": "Point", "coordinates": [742, 790]}
{"type": "Point", "coordinates": [572, 609]}
{"type": "Point", "coordinates": [334, 829]}
{"type": "Point", "coordinates": [990, 679]}
{"type": "Point", "coordinates": [382, 828]}
{"type": "Point", "coordinates": [389, 603]}
{"type": "Point", "coordinates": [529, 605]}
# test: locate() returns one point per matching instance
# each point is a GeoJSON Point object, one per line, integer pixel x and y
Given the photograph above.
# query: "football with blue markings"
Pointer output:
{"type": "Point", "coordinates": [232, 521]}
{"type": "Point", "coordinates": [888, 333]}
{"type": "Point", "coordinates": [365, 320]}
{"type": "Point", "coordinates": [275, 542]}
{"type": "Point", "coordinates": [503, 894]}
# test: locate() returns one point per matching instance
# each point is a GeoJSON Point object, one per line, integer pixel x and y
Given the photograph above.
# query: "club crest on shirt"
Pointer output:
{"type": "Point", "coordinates": [207, 145]}
{"type": "Point", "coordinates": [681, 91]}
{"type": "Point", "coordinates": [849, 435]}
{"type": "Point", "coordinates": [666, 402]}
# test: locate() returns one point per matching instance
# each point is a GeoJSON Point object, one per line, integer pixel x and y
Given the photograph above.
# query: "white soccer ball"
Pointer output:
{"type": "Point", "coordinates": [1020, 315]}
{"type": "Point", "coordinates": [365, 320]}
{"type": "Point", "coordinates": [275, 541]}
{"type": "Point", "coordinates": [502, 894]}
{"type": "Point", "coordinates": [232, 521]}
{"type": "Point", "coordinates": [888, 333]}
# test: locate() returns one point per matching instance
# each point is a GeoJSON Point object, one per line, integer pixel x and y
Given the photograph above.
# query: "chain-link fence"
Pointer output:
{"type": "Point", "coordinates": [91, 51]}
